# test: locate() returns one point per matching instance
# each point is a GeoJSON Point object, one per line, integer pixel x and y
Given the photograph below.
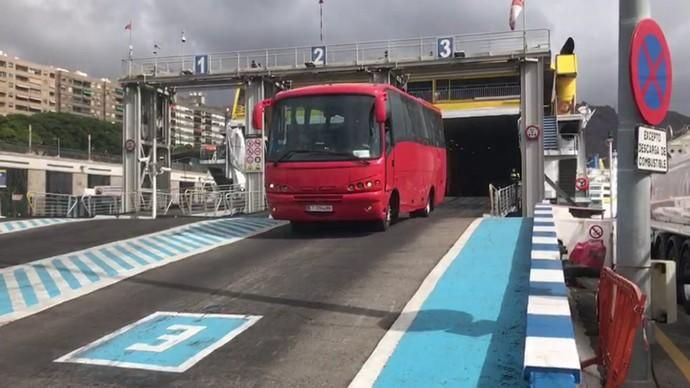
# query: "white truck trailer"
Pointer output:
{"type": "Point", "coordinates": [670, 218]}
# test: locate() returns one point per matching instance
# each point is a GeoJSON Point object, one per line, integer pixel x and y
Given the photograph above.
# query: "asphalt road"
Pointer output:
{"type": "Point", "coordinates": [325, 298]}
{"type": "Point", "coordinates": [33, 244]}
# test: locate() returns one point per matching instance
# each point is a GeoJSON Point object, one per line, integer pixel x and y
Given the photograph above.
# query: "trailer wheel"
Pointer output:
{"type": "Point", "coordinates": [683, 277]}
{"type": "Point", "coordinates": [659, 248]}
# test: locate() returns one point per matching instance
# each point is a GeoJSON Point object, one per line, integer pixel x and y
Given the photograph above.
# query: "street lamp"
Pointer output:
{"type": "Point", "coordinates": [609, 141]}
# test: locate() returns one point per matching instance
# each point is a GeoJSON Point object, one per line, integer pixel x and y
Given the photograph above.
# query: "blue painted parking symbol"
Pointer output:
{"type": "Point", "coordinates": [163, 341]}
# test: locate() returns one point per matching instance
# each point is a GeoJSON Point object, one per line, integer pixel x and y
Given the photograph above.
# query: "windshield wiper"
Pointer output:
{"type": "Point", "coordinates": [289, 154]}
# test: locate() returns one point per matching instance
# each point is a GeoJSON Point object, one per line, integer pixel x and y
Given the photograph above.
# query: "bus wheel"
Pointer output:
{"type": "Point", "coordinates": [426, 212]}
{"type": "Point", "coordinates": [385, 223]}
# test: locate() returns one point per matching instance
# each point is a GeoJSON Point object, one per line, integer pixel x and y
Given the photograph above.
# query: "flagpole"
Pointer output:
{"type": "Point", "coordinates": [321, 18]}
{"type": "Point", "coordinates": [524, 27]}
{"type": "Point", "coordinates": [130, 49]}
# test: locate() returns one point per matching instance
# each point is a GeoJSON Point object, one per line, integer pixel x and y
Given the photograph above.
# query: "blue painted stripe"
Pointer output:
{"type": "Point", "coordinates": [123, 264]}
{"type": "Point", "coordinates": [187, 243]}
{"type": "Point", "coordinates": [549, 379]}
{"type": "Point", "coordinates": [544, 223]}
{"type": "Point", "coordinates": [156, 246]}
{"type": "Point", "coordinates": [161, 240]}
{"type": "Point", "coordinates": [47, 280]}
{"type": "Point", "coordinates": [546, 247]}
{"type": "Point", "coordinates": [198, 238]}
{"type": "Point", "coordinates": [25, 287]}
{"type": "Point", "coordinates": [546, 264]}
{"type": "Point", "coordinates": [121, 249]}
{"type": "Point", "coordinates": [66, 274]}
{"type": "Point", "coordinates": [33, 223]}
{"type": "Point", "coordinates": [544, 234]}
{"type": "Point", "coordinates": [204, 235]}
{"type": "Point", "coordinates": [5, 301]}
{"type": "Point", "coordinates": [470, 332]}
{"type": "Point", "coordinates": [551, 326]}
{"type": "Point", "coordinates": [223, 230]}
{"type": "Point", "coordinates": [9, 225]}
{"type": "Point", "coordinates": [46, 221]}
{"type": "Point", "coordinates": [547, 289]}
{"type": "Point", "coordinates": [240, 228]}
{"type": "Point", "coordinates": [145, 251]}
{"type": "Point", "coordinates": [92, 276]}
{"type": "Point", "coordinates": [254, 223]}
{"type": "Point", "coordinates": [110, 271]}
{"type": "Point", "coordinates": [205, 229]}
{"type": "Point", "coordinates": [21, 225]}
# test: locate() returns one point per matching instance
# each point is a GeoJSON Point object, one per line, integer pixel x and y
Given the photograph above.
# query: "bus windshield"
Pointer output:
{"type": "Point", "coordinates": [324, 128]}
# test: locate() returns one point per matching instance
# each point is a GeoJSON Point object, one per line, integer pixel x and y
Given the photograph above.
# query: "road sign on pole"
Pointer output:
{"type": "Point", "coordinates": [652, 150]}
{"type": "Point", "coordinates": [651, 72]}
{"type": "Point", "coordinates": [532, 132]}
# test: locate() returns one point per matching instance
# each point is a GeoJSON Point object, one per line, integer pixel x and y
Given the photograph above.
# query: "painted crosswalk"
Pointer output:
{"type": "Point", "coordinates": [31, 223]}
{"type": "Point", "coordinates": [29, 288]}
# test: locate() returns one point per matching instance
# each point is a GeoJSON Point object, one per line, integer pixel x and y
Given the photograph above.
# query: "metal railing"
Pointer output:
{"type": "Point", "coordinates": [468, 92]}
{"type": "Point", "coordinates": [351, 54]}
{"type": "Point", "coordinates": [67, 153]}
{"type": "Point", "coordinates": [504, 200]}
{"type": "Point", "coordinates": [222, 201]}
{"type": "Point", "coordinates": [53, 205]}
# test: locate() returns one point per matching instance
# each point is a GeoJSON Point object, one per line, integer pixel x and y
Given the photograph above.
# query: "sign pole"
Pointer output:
{"type": "Point", "coordinates": [633, 218]}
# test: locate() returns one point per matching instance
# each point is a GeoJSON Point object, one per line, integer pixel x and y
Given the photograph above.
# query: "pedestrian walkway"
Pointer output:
{"type": "Point", "coordinates": [29, 288]}
{"type": "Point", "coordinates": [31, 223]}
{"type": "Point", "coordinates": [470, 329]}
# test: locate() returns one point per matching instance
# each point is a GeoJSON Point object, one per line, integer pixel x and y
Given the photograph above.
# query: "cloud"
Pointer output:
{"type": "Point", "coordinates": [90, 35]}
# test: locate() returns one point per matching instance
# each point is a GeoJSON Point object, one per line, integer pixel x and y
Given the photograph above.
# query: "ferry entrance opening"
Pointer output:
{"type": "Point", "coordinates": [481, 151]}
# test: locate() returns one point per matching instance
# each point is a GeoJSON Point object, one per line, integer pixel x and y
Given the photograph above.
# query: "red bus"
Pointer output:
{"type": "Point", "coordinates": [352, 152]}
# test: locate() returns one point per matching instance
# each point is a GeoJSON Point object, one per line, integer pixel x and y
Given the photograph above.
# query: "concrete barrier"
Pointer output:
{"type": "Point", "coordinates": [551, 358]}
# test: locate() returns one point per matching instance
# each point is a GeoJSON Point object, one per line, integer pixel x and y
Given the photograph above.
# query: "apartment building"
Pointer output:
{"type": "Point", "coordinates": [27, 88]}
{"type": "Point", "coordinates": [195, 123]}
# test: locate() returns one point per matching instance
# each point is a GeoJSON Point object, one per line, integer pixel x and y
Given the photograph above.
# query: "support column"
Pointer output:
{"type": "Point", "coordinates": [532, 108]}
{"type": "Point", "coordinates": [379, 76]}
{"type": "Point", "coordinates": [146, 146]}
{"type": "Point", "coordinates": [633, 218]}
{"type": "Point", "coordinates": [256, 90]}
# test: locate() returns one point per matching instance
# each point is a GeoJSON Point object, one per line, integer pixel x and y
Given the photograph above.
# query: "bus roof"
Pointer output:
{"type": "Point", "coordinates": [349, 88]}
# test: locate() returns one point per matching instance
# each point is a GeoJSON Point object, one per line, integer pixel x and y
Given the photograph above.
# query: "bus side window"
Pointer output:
{"type": "Point", "coordinates": [389, 136]}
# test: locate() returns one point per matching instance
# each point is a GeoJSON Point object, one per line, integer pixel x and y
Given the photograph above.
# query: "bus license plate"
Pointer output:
{"type": "Point", "coordinates": [320, 208]}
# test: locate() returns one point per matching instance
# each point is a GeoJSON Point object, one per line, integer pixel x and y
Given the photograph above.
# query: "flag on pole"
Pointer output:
{"type": "Point", "coordinates": [515, 9]}
{"type": "Point", "coordinates": [183, 38]}
{"type": "Point", "coordinates": [129, 26]}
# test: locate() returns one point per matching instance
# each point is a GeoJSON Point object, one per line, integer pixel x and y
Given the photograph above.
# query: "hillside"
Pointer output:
{"type": "Point", "coordinates": [605, 119]}
{"type": "Point", "coordinates": [72, 130]}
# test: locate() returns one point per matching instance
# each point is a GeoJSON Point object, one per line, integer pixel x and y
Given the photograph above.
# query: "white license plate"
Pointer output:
{"type": "Point", "coordinates": [320, 208]}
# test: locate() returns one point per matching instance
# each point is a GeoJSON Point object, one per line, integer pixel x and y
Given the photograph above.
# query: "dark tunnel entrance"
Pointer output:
{"type": "Point", "coordinates": [481, 151]}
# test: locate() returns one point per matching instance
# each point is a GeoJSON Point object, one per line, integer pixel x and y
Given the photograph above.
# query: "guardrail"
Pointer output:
{"type": "Point", "coordinates": [222, 201]}
{"type": "Point", "coordinates": [551, 357]}
{"type": "Point", "coordinates": [504, 200]}
{"type": "Point", "coordinates": [351, 54]}
{"type": "Point", "coordinates": [68, 153]}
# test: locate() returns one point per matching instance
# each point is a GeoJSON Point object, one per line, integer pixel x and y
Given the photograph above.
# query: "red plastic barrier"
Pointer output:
{"type": "Point", "coordinates": [620, 309]}
{"type": "Point", "coordinates": [590, 254]}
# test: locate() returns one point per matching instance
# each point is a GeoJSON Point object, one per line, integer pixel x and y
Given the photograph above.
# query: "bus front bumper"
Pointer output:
{"type": "Point", "coordinates": [370, 206]}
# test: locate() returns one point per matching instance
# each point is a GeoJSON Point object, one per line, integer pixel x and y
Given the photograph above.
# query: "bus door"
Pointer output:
{"type": "Point", "coordinates": [391, 181]}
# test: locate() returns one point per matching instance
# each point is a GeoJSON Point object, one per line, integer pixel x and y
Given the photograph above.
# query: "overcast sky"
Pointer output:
{"type": "Point", "coordinates": [90, 35]}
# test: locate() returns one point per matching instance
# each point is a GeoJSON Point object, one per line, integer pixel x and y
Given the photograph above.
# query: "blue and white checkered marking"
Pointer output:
{"type": "Point", "coordinates": [163, 341]}
{"type": "Point", "coordinates": [32, 223]}
{"type": "Point", "coordinates": [29, 288]}
{"type": "Point", "coordinates": [550, 346]}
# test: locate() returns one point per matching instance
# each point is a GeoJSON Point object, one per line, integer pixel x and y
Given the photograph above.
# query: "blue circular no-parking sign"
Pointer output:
{"type": "Point", "coordinates": [650, 71]}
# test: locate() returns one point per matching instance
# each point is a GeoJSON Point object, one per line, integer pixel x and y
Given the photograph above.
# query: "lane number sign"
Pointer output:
{"type": "Point", "coordinates": [444, 47]}
{"type": "Point", "coordinates": [318, 55]}
{"type": "Point", "coordinates": [652, 150]}
{"type": "Point", "coordinates": [201, 64]}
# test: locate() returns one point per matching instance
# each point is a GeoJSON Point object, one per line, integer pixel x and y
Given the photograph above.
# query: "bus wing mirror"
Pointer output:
{"type": "Point", "coordinates": [380, 109]}
{"type": "Point", "coordinates": [258, 114]}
